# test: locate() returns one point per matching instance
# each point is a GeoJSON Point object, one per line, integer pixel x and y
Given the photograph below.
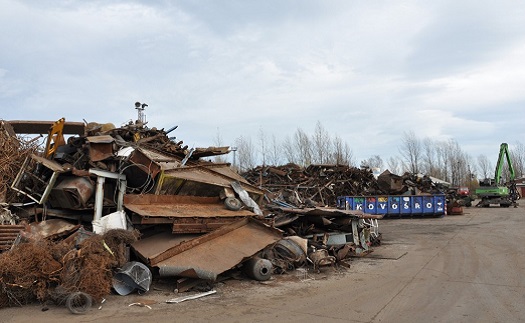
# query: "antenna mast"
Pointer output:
{"type": "Point", "coordinates": [140, 109]}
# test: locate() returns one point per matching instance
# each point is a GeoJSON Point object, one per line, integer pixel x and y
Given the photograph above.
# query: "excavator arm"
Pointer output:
{"type": "Point", "coordinates": [503, 154]}
{"type": "Point", "coordinates": [55, 138]}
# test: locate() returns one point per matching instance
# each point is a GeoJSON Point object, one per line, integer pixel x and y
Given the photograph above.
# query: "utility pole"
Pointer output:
{"type": "Point", "coordinates": [469, 178]}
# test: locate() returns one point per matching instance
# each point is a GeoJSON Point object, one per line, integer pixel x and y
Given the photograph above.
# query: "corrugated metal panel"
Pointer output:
{"type": "Point", "coordinates": [8, 234]}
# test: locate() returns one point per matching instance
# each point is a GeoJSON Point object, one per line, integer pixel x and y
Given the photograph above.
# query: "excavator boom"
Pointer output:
{"type": "Point", "coordinates": [503, 154]}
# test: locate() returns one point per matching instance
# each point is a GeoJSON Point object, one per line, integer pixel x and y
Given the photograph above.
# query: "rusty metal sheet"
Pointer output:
{"type": "Point", "coordinates": [100, 151]}
{"type": "Point", "coordinates": [150, 247]}
{"type": "Point", "coordinates": [53, 228]}
{"type": "Point", "coordinates": [51, 164]}
{"type": "Point", "coordinates": [147, 161]}
{"type": "Point", "coordinates": [209, 255]}
{"type": "Point", "coordinates": [163, 161]}
{"type": "Point", "coordinates": [178, 206]}
{"type": "Point", "coordinates": [72, 193]}
{"type": "Point", "coordinates": [216, 175]}
{"type": "Point", "coordinates": [42, 127]}
{"type": "Point", "coordinates": [100, 147]}
{"type": "Point", "coordinates": [210, 151]}
{"type": "Point", "coordinates": [101, 139]}
{"type": "Point", "coordinates": [201, 225]}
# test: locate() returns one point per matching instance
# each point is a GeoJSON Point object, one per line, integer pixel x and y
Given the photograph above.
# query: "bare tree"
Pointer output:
{"type": "Point", "coordinates": [458, 163]}
{"type": "Point", "coordinates": [219, 143]}
{"type": "Point", "coordinates": [275, 152]}
{"type": "Point", "coordinates": [411, 151]}
{"type": "Point", "coordinates": [303, 146]}
{"type": "Point", "coordinates": [485, 167]}
{"type": "Point", "coordinates": [262, 141]}
{"type": "Point", "coordinates": [321, 143]}
{"type": "Point", "coordinates": [245, 153]}
{"type": "Point", "coordinates": [341, 152]}
{"type": "Point", "coordinates": [518, 159]}
{"type": "Point", "coordinates": [289, 151]}
{"type": "Point", "coordinates": [394, 165]}
{"type": "Point", "coordinates": [430, 158]}
{"type": "Point", "coordinates": [442, 161]}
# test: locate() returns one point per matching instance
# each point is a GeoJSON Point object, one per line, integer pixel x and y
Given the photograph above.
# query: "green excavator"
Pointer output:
{"type": "Point", "coordinates": [492, 191]}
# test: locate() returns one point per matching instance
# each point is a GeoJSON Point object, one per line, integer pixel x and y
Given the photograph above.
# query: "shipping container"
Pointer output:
{"type": "Point", "coordinates": [395, 205]}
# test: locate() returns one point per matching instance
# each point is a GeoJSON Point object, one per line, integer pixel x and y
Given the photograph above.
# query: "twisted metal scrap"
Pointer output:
{"type": "Point", "coordinates": [13, 151]}
{"type": "Point", "coordinates": [315, 185]}
{"type": "Point", "coordinates": [40, 269]}
{"type": "Point", "coordinates": [26, 272]}
{"type": "Point", "coordinates": [90, 268]}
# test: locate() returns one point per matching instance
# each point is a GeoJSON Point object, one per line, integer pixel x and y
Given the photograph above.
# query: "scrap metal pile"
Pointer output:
{"type": "Point", "coordinates": [47, 269]}
{"type": "Point", "coordinates": [13, 152]}
{"type": "Point", "coordinates": [321, 185]}
{"type": "Point", "coordinates": [102, 209]}
{"type": "Point", "coordinates": [111, 208]}
{"type": "Point", "coordinates": [315, 185]}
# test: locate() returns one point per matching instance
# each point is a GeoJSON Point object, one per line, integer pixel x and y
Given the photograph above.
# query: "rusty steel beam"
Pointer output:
{"type": "Point", "coordinates": [42, 127]}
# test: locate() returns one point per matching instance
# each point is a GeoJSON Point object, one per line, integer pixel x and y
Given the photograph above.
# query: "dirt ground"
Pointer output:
{"type": "Point", "coordinates": [465, 268]}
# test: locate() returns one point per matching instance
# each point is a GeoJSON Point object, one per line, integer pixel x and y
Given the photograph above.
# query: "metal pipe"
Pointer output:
{"type": "Point", "coordinates": [171, 129]}
{"type": "Point", "coordinates": [99, 198]}
{"type": "Point", "coordinates": [121, 191]}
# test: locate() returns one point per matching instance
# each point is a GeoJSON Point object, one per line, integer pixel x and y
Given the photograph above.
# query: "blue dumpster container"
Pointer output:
{"type": "Point", "coordinates": [395, 205]}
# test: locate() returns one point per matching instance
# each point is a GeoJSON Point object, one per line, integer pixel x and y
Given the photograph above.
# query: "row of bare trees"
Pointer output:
{"type": "Point", "coordinates": [440, 159]}
{"type": "Point", "coordinates": [302, 149]}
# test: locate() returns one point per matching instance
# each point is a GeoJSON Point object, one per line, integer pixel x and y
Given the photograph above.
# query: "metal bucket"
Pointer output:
{"type": "Point", "coordinates": [133, 276]}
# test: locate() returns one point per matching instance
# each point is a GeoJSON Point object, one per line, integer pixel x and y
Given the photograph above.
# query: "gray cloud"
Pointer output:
{"type": "Point", "coordinates": [367, 71]}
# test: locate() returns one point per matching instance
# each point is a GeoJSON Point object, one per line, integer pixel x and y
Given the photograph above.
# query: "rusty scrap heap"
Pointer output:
{"type": "Point", "coordinates": [321, 185]}
{"type": "Point", "coordinates": [313, 185]}
{"type": "Point", "coordinates": [110, 207]}
{"type": "Point", "coordinates": [93, 213]}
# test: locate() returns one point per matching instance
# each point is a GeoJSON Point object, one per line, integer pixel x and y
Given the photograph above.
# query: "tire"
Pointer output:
{"type": "Point", "coordinates": [78, 302]}
{"type": "Point", "coordinates": [233, 204]}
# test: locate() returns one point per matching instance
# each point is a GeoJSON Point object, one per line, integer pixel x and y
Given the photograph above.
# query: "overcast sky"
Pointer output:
{"type": "Point", "coordinates": [368, 71]}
